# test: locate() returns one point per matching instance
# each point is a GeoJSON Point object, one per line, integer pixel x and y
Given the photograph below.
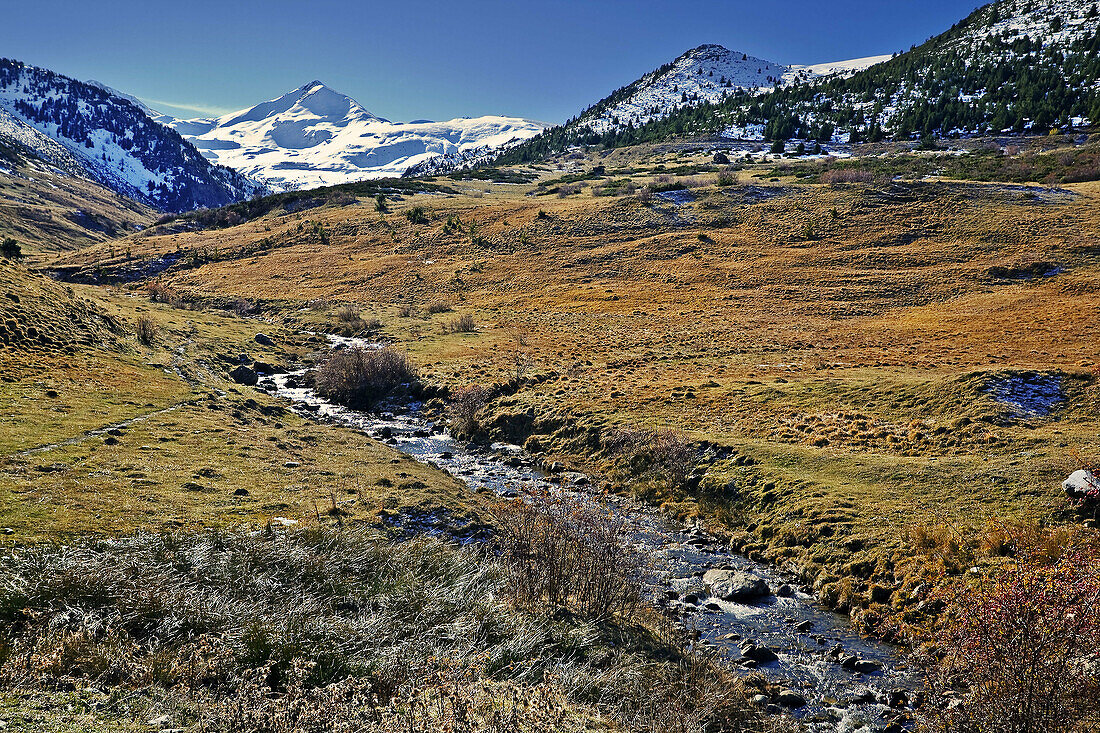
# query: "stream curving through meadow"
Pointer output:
{"type": "Point", "coordinates": [847, 682]}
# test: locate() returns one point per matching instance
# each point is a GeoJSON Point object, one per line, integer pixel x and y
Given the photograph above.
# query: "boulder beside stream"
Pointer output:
{"type": "Point", "coordinates": [736, 585]}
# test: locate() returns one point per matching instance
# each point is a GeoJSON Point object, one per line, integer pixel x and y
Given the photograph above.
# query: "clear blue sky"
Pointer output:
{"type": "Point", "coordinates": [436, 59]}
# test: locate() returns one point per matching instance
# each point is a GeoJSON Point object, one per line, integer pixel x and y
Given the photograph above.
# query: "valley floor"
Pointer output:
{"type": "Point", "coordinates": [883, 382]}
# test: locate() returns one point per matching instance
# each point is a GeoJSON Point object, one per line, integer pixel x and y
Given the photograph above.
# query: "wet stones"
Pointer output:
{"type": "Point", "coordinates": [758, 653]}
{"type": "Point", "coordinates": [790, 699]}
{"type": "Point", "coordinates": [244, 375]}
{"type": "Point", "coordinates": [736, 585]}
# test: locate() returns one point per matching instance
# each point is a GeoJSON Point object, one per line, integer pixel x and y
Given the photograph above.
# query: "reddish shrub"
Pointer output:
{"type": "Point", "coordinates": [1021, 653]}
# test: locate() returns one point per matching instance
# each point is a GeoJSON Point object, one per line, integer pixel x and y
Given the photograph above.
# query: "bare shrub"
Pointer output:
{"type": "Point", "coordinates": [160, 292]}
{"type": "Point", "coordinates": [645, 196]}
{"type": "Point", "coordinates": [463, 409]}
{"type": "Point", "coordinates": [726, 178]}
{"type": "Point", "coordinates": [565, 551]}
{"type": "Point", "coordinates": [359, 378]}
{"type": "Point", "coordinates": [406, 311]}
{"type": "Point", "coordinates": [438, 306]}
{"type": "Point", "coordinates": [1021, 652]}
{"type": "Point", "coordinates": [463, 324]}
{"type": "Point", "coordinates": [348, 314]}
{"type": "Point", "coordinates": [242, 307]}
{"type": "Point", "coordinates": [146, 330]}
{"type": "Point", "coordinates": [846, 175]}
{"type": "Point", "coordinates": [666, 453]}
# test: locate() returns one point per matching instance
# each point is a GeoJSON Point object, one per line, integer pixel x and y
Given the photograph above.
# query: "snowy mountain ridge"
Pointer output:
{"type": "Point", "coordinates": [315, 136]}
{"type": "Point", "coordinates": [85, 130]}
{"type": "Point", "coordinates": [704, 74]}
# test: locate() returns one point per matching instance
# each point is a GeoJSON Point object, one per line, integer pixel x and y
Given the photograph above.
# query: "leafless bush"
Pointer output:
{"type": "Point", "coordinates": [146, 330]}
{"type": "Point", "coordinates": [565, 551]}
{"type": "Point", "coordinates": [846, 175]}
{"type": "Point", "coordinates": [360, 378]}
{"type": "Point", "coordinates": [406, 311]}
{"type": "Point", "coordinates": [667, 453]}
{"type": "Point", "coordinates": [242, 307]}
{"type": "Point", "coordinates": [438, 306]}
{"type": "Point", "coordinates": [348, 314]}
{"type": "Point", "coordinates": [160, 292]}
{"type": "Point", "coordinates": [726, 178]}
{"type": "Point", "coordinates": [1020, 653]}
{"type": "Point", "coordinates": [645, 195]}
{"type": "Point", "coordinates": [463, 324]}
{"type": "Point", "coordinates": [696, 181]}
{"type": "Point", "coordinates": [463, 409]}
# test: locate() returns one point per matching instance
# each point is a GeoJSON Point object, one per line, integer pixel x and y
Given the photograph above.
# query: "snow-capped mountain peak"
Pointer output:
{"type": "Point", "coordinates": [316, 136]}
{"type": "Point", "coordinates": [314, 101]}
{"type": "Point", "coordinates": [706, 73]}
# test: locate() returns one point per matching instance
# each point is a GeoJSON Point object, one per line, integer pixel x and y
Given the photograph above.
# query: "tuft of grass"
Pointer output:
{"type": "Point", "coordinates": [146, 330]}
{"type": "Point", "coordinates": [463, 324]}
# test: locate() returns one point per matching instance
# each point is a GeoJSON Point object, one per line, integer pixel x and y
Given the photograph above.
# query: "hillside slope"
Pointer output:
{"type": "Point", "coordinates": [314, 136]}
{"type": "Point", "coordinates": [87, 131]}
{"type": "Point", "coordinates": [47, 210]}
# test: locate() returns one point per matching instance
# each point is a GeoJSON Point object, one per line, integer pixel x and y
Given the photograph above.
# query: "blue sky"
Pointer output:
{"type": "Point", "coordinates": [408, 59]}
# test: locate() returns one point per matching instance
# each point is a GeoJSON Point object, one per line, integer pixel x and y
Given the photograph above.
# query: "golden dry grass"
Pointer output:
{"type": "Point", "coordinates": [840, 336]}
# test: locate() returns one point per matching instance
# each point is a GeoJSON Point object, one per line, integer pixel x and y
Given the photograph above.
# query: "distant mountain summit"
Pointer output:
{"type": "Point", "coordinates": [1009, 66]}
{"type": "Point", "coordinates": [88, 130]}
{"type": "Point", "coordinates": [707, 73]}
{"type": "Point", "coordinates": [315, 136]}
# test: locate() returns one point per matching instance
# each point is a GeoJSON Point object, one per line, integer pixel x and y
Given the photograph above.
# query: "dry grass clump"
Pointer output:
{"type": "Point", "coordinates": [438, 306]}
{"type": "Point", "coordinates": [350, 321]}
{"type": "Point", "coordinates": [846, 175]}
{"type": "Point", "coordinates": [463, 324]}
{"type": "Point", "coordinates": [146, 330]}
{"type": "Point", "coordinates": [359, 378]}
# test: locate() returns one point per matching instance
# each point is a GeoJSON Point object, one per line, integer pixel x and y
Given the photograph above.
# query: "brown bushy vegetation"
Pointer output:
{"type": "Point", "coordinates": [566, 552]}
{"type": "Point", "coordinates": [842, 175]}
{"type": "Point", "coordinates": [463, 409]}
{"type": "Point", "coordinates": [1020, 652]}
{"type": "Point", "coordinates": [463, 324]}
{"type": "Point", "coordinates": [360, 377]}
{"type": "Point", "coordinates": [665, 454]}
{"type": "Point", "coordinates": [146, 330]}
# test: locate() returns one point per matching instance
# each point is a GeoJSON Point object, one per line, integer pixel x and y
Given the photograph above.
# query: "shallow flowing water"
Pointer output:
{"type": "Point", "coordinates": [809, 641]}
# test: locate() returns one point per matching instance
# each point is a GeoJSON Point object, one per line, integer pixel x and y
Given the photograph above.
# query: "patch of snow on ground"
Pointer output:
{"type": "Point", "coordinates": [1030, 394]}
